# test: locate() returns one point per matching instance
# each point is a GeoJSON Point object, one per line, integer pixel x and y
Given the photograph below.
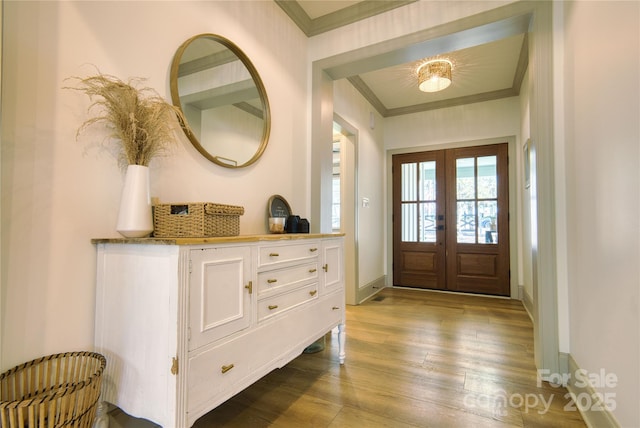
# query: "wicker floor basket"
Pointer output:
{"type": "Point", "coordinates": [196, 220]}
{"type": "Point", "coordinates": [60, 390]}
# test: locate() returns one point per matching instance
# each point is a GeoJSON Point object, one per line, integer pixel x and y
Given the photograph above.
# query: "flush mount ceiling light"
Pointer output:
{"type": "Point", "coordinates": [435, 75]}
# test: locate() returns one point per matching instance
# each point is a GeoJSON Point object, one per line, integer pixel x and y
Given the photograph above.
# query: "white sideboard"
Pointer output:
{"type": "Point", "coordinates": [185, 324]}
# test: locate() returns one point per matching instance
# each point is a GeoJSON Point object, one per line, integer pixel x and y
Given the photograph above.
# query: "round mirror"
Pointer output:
{"type": "Point", "coordinates": [223, 100]}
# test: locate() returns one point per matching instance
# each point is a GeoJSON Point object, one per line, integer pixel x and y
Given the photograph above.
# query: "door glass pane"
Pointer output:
{"type": "Point", "coordinates": [409, 222]}
{"type": "Point", "coordinates": [477, 203]}
{"type": "Point", "coordinates": [487, 177]}
{"type": "Point", "coordinates": [428, 226]}
{"type": "Point", "coordinates": [487, 217]}
{"type": "Point", "coordinates": [466, 178]}
{"type": "Point", "coordinates": [409, 181]}
{"type": "Point", "coordinates": [466, 224]}
{"type": "Point", "coordinates": [428, 181]}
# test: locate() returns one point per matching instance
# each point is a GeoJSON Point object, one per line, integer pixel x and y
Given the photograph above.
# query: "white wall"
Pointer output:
{"type": "Point", "coordinates": [58, 193]}
{"type": "Point", "coordinates": [602, 95]}
{"type": "Point", "coordinates": [490, 119]}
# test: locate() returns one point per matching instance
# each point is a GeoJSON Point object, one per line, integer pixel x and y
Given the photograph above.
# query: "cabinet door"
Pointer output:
{"type": "Point", "coordinates": [219, 296]}
{"type": "Point", "coordinates": [332, 265]}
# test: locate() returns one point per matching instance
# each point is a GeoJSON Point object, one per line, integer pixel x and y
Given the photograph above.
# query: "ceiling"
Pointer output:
{"type": "Point", "coordinates": [491, 68]}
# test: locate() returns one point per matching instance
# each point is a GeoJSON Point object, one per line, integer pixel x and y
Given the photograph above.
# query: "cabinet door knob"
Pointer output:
{"type": "Point", "coordinates": [273, 254]}
{"type": "Point", "coordinates": [325, 268]}
{"type": "Point", "coordinates": [249, 287]}
{"type": "Point", "coordinates": [272, 307]}
{"type": "Point", "coordinates": [271, 281]}
{"type": "Point", "coordinates": [225, 369]}
{"type": "Point", "coordinates": [313, 292]}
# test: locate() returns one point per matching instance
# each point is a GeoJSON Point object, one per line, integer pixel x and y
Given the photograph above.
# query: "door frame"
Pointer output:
{"type": "Point", "coordinates": [515, 291]}
{"type": "Point", "coordinates": [350, 209]}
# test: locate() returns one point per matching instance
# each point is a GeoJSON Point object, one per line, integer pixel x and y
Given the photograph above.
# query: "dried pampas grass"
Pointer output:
{"type": "Point", "coordinates": [141, 120]}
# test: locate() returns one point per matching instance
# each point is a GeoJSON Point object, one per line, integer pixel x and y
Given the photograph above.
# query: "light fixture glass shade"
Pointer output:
{"type": "Point", "coordinates": [434, 76]}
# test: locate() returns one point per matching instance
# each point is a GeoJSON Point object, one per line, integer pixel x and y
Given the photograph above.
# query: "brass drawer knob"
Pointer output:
{"type": "Point", "coordinates": [312, 270]}
{"type": "Point", "coordinates": [225, 369]}
{"type": "Point", "coordinates": [271, 281]}
{"type": "Point", "coordinates": [272, 307]}
{"type": "Point", "coordinates": [313, 292]}
{"type": "Point", "coordinates": [313, 250]}
{"type": "Point", "coordinates": [273, 254]}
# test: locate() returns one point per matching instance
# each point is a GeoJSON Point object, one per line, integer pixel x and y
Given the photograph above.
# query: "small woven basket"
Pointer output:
{"type": "Point", "coordinates": [60, 390]}
{"type": "Point", "coordinates": [196, 220]}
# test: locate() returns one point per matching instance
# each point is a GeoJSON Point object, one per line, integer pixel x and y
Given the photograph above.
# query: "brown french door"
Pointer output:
{"type": "Point", "coordinates": [450, 220]}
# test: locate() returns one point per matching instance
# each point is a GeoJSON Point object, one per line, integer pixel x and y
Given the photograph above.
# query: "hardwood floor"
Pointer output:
{"type": "Point", "coordinates": [414, 359]}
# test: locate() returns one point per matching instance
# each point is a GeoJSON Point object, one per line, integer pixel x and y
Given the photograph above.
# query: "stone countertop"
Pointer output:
{"type": "Point", "coordinates": [216, 239]}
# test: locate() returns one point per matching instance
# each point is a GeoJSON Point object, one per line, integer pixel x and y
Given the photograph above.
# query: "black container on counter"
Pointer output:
{"type": "Point", "coordinates": [292, 224]}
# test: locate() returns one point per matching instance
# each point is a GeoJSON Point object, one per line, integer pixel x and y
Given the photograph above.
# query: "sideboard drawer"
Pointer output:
{"type": "Point", "coordinates": [281, 280]}
{"type": "Point", "coordinates": [274, 255]}
{"type": "Point", "coordinates": [274, 305]}
{"type": "Point", "coordinates": [217, 369]}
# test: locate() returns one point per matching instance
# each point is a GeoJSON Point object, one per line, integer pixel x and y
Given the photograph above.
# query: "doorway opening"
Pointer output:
{"type": "Point", "coordinates": [451, 220]}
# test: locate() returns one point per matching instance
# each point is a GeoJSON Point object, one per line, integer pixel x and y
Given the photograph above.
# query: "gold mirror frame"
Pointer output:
{"type": "Point", "coordinates": [175, 96]}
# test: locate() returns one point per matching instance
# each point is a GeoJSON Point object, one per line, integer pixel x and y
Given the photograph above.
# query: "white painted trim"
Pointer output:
{"type": "Point", "coordinates": [352, 269]}
{"type": "Point", "coordinates": [542, 191]}
{"type": "Point", "coordinates": [369, 290]}
{"type": "Point", "coordinates": [560, 178]}
{"type": "Point", "coordinates": [593, 418]}
{"type": "Point", "coordinates": [527, 302]}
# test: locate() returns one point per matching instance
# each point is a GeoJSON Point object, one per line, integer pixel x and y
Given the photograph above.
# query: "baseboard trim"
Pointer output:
{"type": "Point", "coordinates": [527, 302]}
{"type": "Point", "coordinates": [592, 417]}
{"type": "Point", "coordinates": [371, 289]}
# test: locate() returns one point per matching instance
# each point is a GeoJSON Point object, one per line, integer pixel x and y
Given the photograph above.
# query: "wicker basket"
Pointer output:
{"type": "Point", "coordinates": [60, 390]}
{"type": "Point", "coordinates": [196, 220]}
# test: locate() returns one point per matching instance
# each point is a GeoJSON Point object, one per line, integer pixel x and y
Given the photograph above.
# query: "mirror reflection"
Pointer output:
{"type": "Point", "coordinates": [223, 100]}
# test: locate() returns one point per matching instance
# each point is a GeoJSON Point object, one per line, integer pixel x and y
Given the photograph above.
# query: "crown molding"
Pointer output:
{"type": "Point", "coordinates": [368, 94]}
{"type": "Point", "coordinates": [339, 18]}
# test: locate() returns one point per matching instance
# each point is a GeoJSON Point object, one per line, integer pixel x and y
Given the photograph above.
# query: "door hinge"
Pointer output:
{"type": "Point", "coordinates": [174, 366]}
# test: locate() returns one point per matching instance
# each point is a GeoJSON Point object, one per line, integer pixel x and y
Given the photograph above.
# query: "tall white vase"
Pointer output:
{"type": "Point", "coordinates": [135, 217]}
